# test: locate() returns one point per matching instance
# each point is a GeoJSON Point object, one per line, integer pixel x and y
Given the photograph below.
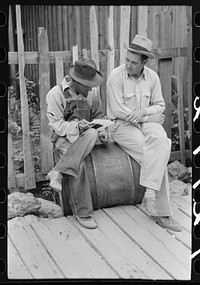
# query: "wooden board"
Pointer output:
{"type": "Point", "coordinates": [16, 267]}
{"type": "Point", "coordinates": [94, 38]}
{"type": "Point", "coordinates": [44, 87]}
{"type": "Point", "coordinates": [133, 253]}
{"type": "Point", "coordinates": [173, 245]}
{"type": "Point", "coordinates": [28, 160]}
{"type": "Point", "coordinates": [124, 31]}
{"type": "Point", "coordinates": [72, 253]}
{"type": "Point", "coordinates": [141, 236]}
{"type": "Point", "coordinates": [59, 70]}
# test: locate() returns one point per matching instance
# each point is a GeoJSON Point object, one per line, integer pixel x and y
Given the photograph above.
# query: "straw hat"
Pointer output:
{"type": "Point", "coordinates": [141, 45]}
{"type": "Point", "coordinates": [84, 71]}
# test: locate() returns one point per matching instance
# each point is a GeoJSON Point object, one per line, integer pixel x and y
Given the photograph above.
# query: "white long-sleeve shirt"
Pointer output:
{"type": "Point", "coordinates": [125, 94]}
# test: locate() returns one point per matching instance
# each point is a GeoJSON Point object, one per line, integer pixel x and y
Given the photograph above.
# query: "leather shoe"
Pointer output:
{"type": "Point", "coordinates": [86, 222]}
{"type": "Point", "coordinates": [150, 205]}
{"type": "Point", "coordinates": [169, 223]}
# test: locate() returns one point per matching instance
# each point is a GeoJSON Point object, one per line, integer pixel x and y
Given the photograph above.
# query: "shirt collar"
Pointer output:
{"type": "Point", "coordinates": [143, 75]}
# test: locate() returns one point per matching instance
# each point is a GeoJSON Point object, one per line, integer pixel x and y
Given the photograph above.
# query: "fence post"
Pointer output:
{"type": "Point", "coordinates": [28, 159]}
{"type": "Point", "coordinates": [124, 30]}
{"type": "Point", "coordinates": [59, 69]}
{"type": "Point", "coordinates": [44, 87]}
{"type": "Point", "coordinates": [74, 53]}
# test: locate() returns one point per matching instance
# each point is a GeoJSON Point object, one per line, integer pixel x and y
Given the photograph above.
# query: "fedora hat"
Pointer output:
{"type": "Point", "coordinates": [84, 71]}
{"type": "Point", "coordinates": [141, 45]}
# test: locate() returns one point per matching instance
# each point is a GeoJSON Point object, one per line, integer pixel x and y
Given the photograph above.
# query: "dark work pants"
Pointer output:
{"type": "Point", "coordinates": [72, 165]}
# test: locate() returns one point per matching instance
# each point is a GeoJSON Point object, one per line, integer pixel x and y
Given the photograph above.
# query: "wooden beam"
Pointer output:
{"type": "Point", "coordinates": [33, 57]}
{"type": "Point", "coordinates": [28, 159]}
{"type": "Point", "coordinates": [44, 87]}
{"type": "Point", "coordinates": [124, 30]}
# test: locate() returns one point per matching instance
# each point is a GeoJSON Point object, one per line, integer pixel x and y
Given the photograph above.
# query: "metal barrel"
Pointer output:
{"type": "Point", "coordinates": [113, 176]}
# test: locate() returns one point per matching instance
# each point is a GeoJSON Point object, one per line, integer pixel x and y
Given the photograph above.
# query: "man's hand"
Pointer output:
{"type": "Point", "coordinates": [83, 125]}
{"type": "Point", "coordinates": [136, 116]}
{"type": "Point", "coordinates": [156, 118]}
{"type": "Point", "coordinates": [104, 136]}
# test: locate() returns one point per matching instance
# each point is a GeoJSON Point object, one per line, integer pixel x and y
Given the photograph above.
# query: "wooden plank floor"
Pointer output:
{"type": "Point", "coordinates": [126, 245]}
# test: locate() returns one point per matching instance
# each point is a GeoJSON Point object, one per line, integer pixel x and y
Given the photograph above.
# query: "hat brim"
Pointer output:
{"type": "Point", "coordinates": [95, 82]}
{"type": "Point", "coordinates": [150, 55]}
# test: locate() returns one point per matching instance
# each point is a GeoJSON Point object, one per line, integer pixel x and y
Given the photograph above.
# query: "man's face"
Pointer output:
{"type": "Point", "coordinates": [134, 65]}
{"type": "Point", "coordinates": [82, 89]}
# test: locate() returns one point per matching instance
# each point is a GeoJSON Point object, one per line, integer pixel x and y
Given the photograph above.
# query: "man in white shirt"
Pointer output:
{"type": "Point", "coordinates": [134, 97]}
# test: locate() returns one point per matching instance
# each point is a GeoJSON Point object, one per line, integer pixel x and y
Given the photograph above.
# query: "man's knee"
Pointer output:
{"type": "Point", "coordinates": [91, 134]}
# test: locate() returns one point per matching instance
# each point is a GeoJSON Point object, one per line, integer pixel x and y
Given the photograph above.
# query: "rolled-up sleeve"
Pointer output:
{"type": "Point", "coordinates": [55, 112]}
{"type": "Point", "coordinates": [116, 107]}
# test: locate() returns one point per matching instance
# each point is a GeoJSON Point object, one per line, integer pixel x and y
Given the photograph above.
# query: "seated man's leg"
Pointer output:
{"type": "Point", "coordinates": [70, 161]}
{"type": "Point", "coordinates": [61, 146]}
{"type": "Point", "coordinates": [130, 139]}
{"type": "Point", "coordinates": [79, 195]}
{"type": "Point", "coordinates": [154, 174]}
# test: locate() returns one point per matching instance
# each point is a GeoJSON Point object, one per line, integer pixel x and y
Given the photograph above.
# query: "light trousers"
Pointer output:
{"type": "Point", "coordinates": [149, 145]}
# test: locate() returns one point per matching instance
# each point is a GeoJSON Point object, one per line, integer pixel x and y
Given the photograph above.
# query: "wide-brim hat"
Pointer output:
{"type": "Point", "coordinates": [141, 45]}
{"type": "Point", "coordinates": [84, 71]}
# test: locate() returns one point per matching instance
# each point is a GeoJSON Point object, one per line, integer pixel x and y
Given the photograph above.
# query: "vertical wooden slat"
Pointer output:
{"type": "Point", "coordinates": [83, 27]}
{"type": "Point", "coordinates": [78, 27]}
{"type": "Point", "coordinates": [133, 22]}
{"type": "Point", "coordinates": [59, 69]}
{"type": "Point", "coordinates": [65, 28]}
{"type": "Point", "coordinates": [165, 66]}
{"type": "Point", "coordinates": [85, 53]}
{"type": "Point", "coordinates": [70, 27]}
{"type": "Point", "coordinates": [11, 48]}
{"type": "Point", "coordinates": [189, 75]}
{"type": "Point", "coordinates": [142, 20]}
{"type": "Point", "coordinates": [180, 110]}
{"type": "Point", "coordinates": [111, 53]}
{"type": "Point", "coordinates": [124, 31]}
{"type": "Point", "coordinates": [11, 170]}
{"type": "Point", "coordinates": [94, 36]}
{"type": "Point", "coordinates": [152, 33]}
{"type": "Point", "coordinates": [74, 53]}
{"type": "Point", "coordinates": [44, 87]}
{"type": "Point", "coordinates": [59, 28]}
{"type": "Point", "coordinates": [28, 160]}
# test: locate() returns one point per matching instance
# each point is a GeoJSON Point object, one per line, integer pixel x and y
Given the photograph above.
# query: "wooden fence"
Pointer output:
{"type": "Point", "coordinates": [168, 57]}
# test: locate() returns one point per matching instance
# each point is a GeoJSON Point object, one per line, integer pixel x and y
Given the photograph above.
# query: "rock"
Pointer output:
{"type": "Point", "coordinates": [21, 204]}
{"type": "Point", "coordinates": [49, 209]}
{"type": "Point", "coordinates": [20, 221]}
{"type": "Point", "coordinates": [177, 188]}
{"type": "Point", "coordinates": [177, 171]}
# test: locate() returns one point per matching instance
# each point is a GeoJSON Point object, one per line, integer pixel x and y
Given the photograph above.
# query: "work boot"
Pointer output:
{"type": "Point", "coordinates": [55, 180]}
{"type": "Point", "coordinates": [86, 222]}
{"type": "Point", "coordinates": [150, 204]}
{"type": "Point", "coordinates": [169, 223]}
